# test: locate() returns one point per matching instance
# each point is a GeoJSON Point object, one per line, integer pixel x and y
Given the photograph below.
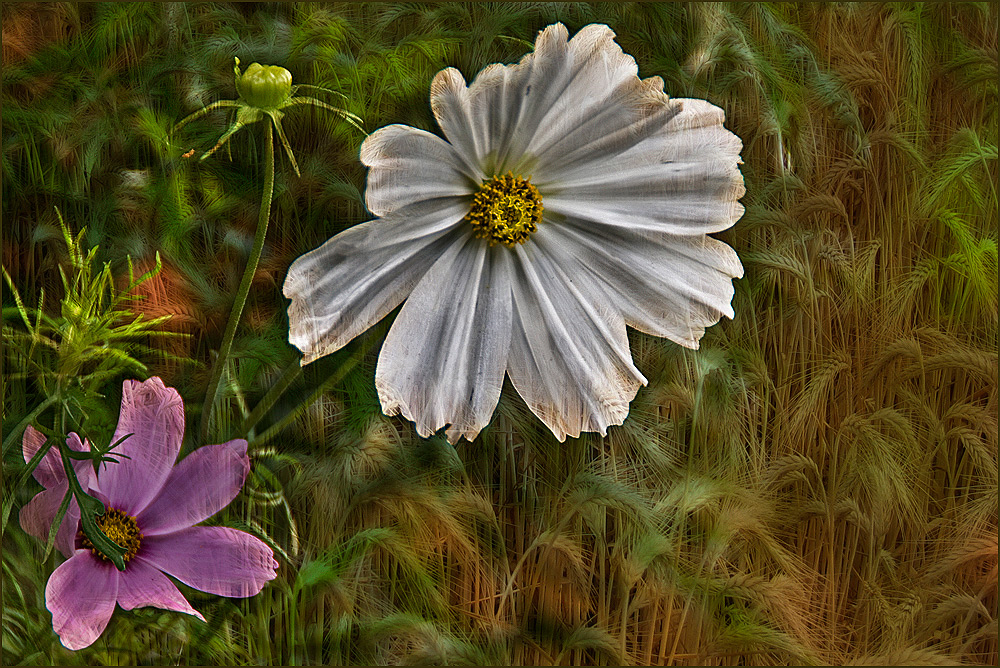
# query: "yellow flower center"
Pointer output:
{"type": "Point", "coordinates": [507, 209]}
{"type": "Point", "coordinates": [120, 528]}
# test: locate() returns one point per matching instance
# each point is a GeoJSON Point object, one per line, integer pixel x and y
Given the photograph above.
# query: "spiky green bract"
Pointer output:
{"type": "Point", "coordinates": [817, 484]}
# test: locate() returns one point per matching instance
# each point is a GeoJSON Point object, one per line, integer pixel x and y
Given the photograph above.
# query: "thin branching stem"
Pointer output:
{"type": "Point", "coordinates": [244, 290]}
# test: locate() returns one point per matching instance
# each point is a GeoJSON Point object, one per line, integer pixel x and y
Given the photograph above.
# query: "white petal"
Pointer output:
{"type": "Point", "coordinates": [353, 280]}
{"type": "Point", "coordinates": [408, 165]}
{"type": "Point", "coordinates": [496, 101]}
{"type": "Point", "coordinates": [683, 180]}
{"type": "Point", "coordinates": [444, 358]}
{"type": "Point", "coordinates": [569, 82]}
{"type": "Point", "coordinates": [617, 119]}
{"type": "Point", "coordinates": [569, 355]}
{"type": "Point", "coordinates": [673, 287]}
{"type": "Point", "coordinates": [450, 104]}
{"type": "Point", "coordinates": [510, 114]}
{"type": "Point", "coordinates": [692, 135]}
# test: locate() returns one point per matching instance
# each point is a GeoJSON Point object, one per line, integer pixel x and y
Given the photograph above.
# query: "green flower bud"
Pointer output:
{"type": "Point", "coordinates": [264, 86]}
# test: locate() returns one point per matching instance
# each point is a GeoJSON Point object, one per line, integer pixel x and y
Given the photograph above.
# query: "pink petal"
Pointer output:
{"type": "Point", "coordinates": [141, 584]}
{"type": "Point", "coordinates": [38, 514]}
{"type": "Point", "coordinates": [68, 530]}
{"type": "Point", "coordinates": [50, 471]}
{"type": "Point", "coordinates": [154, 415]}
{"type": "Point", "coordinates": [217, 560]}
{"type": "Point", "coordinates": [81, 594]}
{"type": "Point", "coordinates": [200, 486]}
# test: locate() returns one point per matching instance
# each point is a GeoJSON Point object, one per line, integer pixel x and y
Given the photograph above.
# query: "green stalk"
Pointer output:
{"type": "Point", "coordinates": [90, 510]}
{"type": "Point", "coordinates": [28, 419]}
{"type": "Point", "coordinates": [291, 373]}
{"type": "Point", "coordinates": [330, 381]}
{"type": "Point", "coordinates": [244, 291]}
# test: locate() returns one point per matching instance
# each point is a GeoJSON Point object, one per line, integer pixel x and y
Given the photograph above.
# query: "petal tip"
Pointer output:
{"type": "Point", "coordinates": [447, 79]}
{"type": "Point", "coordinates": [31, 441]}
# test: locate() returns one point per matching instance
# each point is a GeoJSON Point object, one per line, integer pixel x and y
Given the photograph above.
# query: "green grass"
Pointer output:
{"type": "Point", "coordinates": [817, 484]}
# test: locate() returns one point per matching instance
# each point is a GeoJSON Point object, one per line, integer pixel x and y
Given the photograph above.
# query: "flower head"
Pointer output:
{"type": "Point", "coordinates": [265, 91]}
{"type": "Point", "coordinates": [151, 509]}
{"type": "Point", "coordinates": [570, 199]}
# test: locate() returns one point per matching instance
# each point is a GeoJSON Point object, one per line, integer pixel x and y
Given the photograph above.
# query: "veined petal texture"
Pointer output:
{"type": "Point", "coordinates": [407, 165]}
{"type": "Point", "coordinates": [683, 180]}
{"type": "Point", "coordinates": [201, 485]}
{"type": "Point", "coordinates": [143, 585]}
{"type": "Point", "coordinates": [448, 370]}
{"type": "Point", "coordinates": [218, 560]}
{"type": "Point", "coordinates": [569, 354]}
{"type": "Point", "coordinates": [353, 280]}
{"type": "Point", "coordinates": [152, 419]}
{"type": "Point", "coordinates": [81, 595]}
{"type": "Point", "coordinates": [667, 286]}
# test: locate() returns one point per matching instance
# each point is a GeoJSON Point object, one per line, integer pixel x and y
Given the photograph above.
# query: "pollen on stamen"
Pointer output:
{"type": "Point", "coordinates": [120, 528]}
{"type": "Point", "coordinates": [507, 209]}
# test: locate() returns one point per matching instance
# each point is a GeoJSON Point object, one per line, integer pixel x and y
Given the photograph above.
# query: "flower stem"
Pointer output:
{"type": "Point", "coordinates": [241, 297]}
{"type": "Point", "coordinates": [291, 373]}
{"type": "Point", "coordinates": [372, 340]}
{"type": "Point", "coordinates": [28, 419]}
{"type": "Point", "coordinates": [90, 508]}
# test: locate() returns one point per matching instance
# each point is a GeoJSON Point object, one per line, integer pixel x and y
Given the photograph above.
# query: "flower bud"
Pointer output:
{"type": "Point", "coordinates": [264, 86]}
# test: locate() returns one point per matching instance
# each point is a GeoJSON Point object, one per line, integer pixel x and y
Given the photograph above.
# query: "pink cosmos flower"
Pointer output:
{"type": "Point", "coordinates": [152, 507]}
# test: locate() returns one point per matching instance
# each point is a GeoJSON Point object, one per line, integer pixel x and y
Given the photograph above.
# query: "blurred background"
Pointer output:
{"type": "Point", "coordinates": [816, 484]}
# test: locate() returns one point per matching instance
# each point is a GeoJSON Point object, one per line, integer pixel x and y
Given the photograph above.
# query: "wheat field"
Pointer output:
{"type": "Point", "coordinates": [816, 485]}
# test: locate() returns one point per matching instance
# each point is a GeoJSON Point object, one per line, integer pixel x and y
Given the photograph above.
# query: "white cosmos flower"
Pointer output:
{"type": "Point", "coordinates": [571, 199]}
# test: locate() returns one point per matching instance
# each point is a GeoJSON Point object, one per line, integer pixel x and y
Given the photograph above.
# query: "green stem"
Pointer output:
{"type": "Point", "coordinates": [291, 373]}
{"type": "Point", "coordinates": [244, 291]}
{"type": "Point", "coordinates": [28, 419]}
{"type": "Point", "coordinates": [331, 380]}
{"type": "Point", "coordinates": [90, 507]}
